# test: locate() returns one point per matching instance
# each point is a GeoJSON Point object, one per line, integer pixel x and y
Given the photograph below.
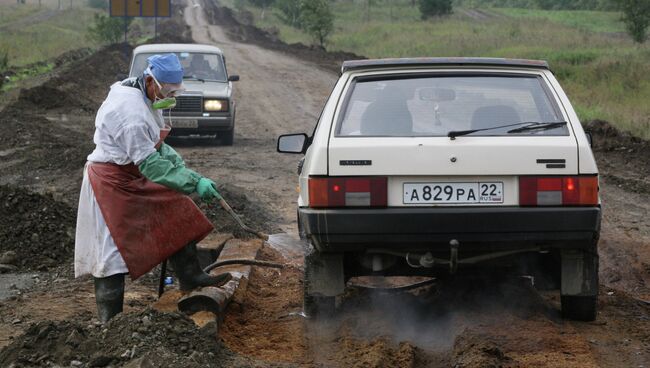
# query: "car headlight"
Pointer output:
{"type": "Point", "coordinates": [215, 105]}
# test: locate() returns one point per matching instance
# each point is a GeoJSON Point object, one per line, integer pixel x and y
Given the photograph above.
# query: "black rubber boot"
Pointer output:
{"type": "Point", "coordinates": [109, 294]}
{"type": "Point", "coordinates": [189, 272]}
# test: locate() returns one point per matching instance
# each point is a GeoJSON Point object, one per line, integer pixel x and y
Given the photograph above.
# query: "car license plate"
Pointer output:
{"type": "Point", "coordinates": [185, 124]}
{"type": "Point", "coordinates": [430, 193]}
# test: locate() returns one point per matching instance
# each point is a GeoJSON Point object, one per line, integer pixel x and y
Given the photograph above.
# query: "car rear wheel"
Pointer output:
{"type": "Point", "coordinates": [579, 308]}
{"type": "Point", "coordinates": [319, 272]}
{"type": "Point", "coordinates": [579, 289]}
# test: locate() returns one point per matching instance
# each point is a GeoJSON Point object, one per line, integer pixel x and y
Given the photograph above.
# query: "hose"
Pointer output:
{"type": "Point", "coordinates": [251, 262]}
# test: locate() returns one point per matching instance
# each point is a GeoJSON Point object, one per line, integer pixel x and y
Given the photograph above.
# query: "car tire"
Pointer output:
{"type": "Point", "coordinates": [583, 306]}
{"type": "Point", "coordinates": [301, 231]}
{"type": "Point", "coordinates": [319, 306]}
{"type": "Point", "coordinates": [227, 137]}
{"type": "Point", "coordinates": [315, 306]}
{"type": "Point", "coordinates": [579, 308]}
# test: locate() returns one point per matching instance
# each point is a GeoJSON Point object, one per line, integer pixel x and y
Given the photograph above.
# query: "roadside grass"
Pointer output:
{"type": "Point", "coordinates": [14, 11]}
{"type": "Point", "coordinates": [595, 21]}
{"type": "Point", "coordinates": [41, 40]}
{"type": "Point", "coordinates": [606, 76]}
{"type": "Point", "coordinates": [26, 73]}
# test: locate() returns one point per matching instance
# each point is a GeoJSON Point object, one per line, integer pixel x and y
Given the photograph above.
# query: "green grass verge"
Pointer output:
{"type": "Point", "coordinates": [41, 40]}
{"type": "Point", "coordinates": [595, 21]}
{"type": "Point", "coordinates": [606, 76]}
{"type": "Point", "coordinates": [26, 73]}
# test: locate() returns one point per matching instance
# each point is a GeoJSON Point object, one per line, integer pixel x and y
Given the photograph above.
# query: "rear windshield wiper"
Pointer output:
{"type": "Point", "coordinates": [538, 126]}
{"type": "Point", "coordinates": [529, 125]}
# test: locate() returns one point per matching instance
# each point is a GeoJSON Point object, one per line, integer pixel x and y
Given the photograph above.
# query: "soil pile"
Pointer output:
{"type": "Point", "coordinates": [48, 129]}
{"type": "Point", "coordinates": [38, 229]}
{"type": "Point", "coordinates": [146, 339]}
{"type": "Point", "coordinates": [240, 29]}
{"type": "Point", "coordinates": [623, 159]}
{"type": "Point", "coordinates": [250, 210]}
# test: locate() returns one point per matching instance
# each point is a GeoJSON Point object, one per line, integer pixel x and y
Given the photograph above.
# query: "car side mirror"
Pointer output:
{"type": "Point", "coordinates": [292, 143]}
{"type": "Point", "coordinates": [590, 139]}
{"type": "Point", "coordinates": [233, 78]}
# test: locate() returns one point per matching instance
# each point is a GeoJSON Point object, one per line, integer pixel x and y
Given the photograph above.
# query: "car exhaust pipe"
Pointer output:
{"type": "Point", "coordinates": [427, 260]}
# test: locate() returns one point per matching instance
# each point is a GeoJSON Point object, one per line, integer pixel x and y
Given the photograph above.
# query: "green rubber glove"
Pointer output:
{"type": "Point", "coordinates": [207, 189]}
{"type": "Point", "coordinates": [173, 175]}
{"type": "Point", "coordinates": [168, 153]}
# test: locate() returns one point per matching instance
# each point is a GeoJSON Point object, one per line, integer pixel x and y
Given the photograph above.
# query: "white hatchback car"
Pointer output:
{"type": "Point", "coordinates": [429, 166]}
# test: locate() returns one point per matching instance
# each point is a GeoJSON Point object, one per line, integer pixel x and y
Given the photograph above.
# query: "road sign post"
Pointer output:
{"type": "Point", "coordinates": [140, 9]}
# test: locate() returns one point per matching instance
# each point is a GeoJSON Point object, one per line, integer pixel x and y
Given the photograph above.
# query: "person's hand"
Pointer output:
{"type": "Point", "coordinates": [207, 189]}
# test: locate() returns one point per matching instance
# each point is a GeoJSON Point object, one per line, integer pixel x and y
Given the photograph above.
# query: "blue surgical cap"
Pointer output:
{"type": "Point", "coordinates": [166, 68]}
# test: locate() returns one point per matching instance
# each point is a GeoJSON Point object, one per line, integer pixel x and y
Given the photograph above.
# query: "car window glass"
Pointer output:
{"type": "Point", "coordinates": [433, 106]}
{"type": "Point", "coordinates": [196, 65]}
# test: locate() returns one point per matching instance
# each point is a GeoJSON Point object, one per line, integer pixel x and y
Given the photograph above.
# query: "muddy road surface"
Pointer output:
{"type": "Point", "coordinates": [469, 323]}
{"type": "Point", "coordinates": [47, 318]}
{"type": "Point", "coordinates": [277, 94]}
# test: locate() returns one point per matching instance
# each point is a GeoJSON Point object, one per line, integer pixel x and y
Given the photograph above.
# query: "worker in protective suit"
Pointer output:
{"type": "Point", "coordinates": [134, 211]}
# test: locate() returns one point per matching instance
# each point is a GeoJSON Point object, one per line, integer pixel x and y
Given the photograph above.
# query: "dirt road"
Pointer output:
{"type": "Point", "coordinates": [459, 325]}
{"type": "Point", "coordinates": [277, 94]}
{"type": "Point", "coordinates": [477, 322]}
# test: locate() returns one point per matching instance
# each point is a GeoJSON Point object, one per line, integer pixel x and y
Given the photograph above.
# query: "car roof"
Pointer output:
{"type": "Point", "coordinates": [176, 47]}
{"type": "Point", "coordinates": [371, 64]}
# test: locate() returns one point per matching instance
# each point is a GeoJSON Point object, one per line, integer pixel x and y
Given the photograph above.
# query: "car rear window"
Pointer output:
{"type": "Point", "coordinates": [196, 65]}
{"type": "Point", "coordinates": [435, 105]}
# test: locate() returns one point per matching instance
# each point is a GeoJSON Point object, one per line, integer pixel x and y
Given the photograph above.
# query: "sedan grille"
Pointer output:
{"type": "Point", "coordinates": [188, 104]}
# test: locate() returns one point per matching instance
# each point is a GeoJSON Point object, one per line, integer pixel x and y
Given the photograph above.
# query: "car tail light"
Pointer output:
{"type": "Point", "coordinates": [558, 190]}
{"type": "Point", "coordinates": [348, 192]}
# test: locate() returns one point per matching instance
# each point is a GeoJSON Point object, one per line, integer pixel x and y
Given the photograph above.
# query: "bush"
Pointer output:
{"type": "Point", "coordinates": [317, 19]}
{"type": "Point", "coordinates": [432, 8]}
{"type": "Point", "coordinates": [107, 29]}
{"type": "Point", "coordinates": [636, 16]}
{"type": "Point", "coordinates": [291, 11]}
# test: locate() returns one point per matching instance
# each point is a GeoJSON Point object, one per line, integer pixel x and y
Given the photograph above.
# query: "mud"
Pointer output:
{"type": "Point", "coordinates": [145, 339]}
{"type": "Point", "coordinates": [38, 229]}
{"type": "Point", "coordinates": [249, 208]}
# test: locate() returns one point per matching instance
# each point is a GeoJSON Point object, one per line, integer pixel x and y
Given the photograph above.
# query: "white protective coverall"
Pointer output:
{"type": "Point", "coordinates": [127, 129]}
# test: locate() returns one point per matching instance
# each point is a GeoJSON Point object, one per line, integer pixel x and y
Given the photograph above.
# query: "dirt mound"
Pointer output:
{"type": "Point", "coordinates": [251, 211]}
{"type": "Point", "coordinates": [37, 228]}
{"type": "Point", "coordinates": [44, 97]}
{"type": "Point", "coordinates": [145, 339]}
{"type": "Point", "coordinates": [240, 29]}
{"type": "Point", "coordinates": [623, 159]}
{"type": "Point", "coordinates": [609, 138]}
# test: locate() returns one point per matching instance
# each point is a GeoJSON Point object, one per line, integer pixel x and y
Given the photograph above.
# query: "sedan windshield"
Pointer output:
{"type": "Point", "coordinates": [437, 105]}
{"type": "Point", "coordinates": [198, 66]}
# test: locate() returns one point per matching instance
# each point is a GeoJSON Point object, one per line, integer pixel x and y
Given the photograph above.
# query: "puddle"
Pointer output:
{"type": "Point", "coordinates": [290, 246]}
{"type": "Point", "coordinates": [12, 283]}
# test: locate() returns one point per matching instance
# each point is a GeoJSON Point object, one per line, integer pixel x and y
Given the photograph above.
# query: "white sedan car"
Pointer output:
{"type": "Point", "coordinates": [437, 166]}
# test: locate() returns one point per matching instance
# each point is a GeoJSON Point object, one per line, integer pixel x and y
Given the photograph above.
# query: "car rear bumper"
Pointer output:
{"type": "Point", "coordinates": [476, 228]}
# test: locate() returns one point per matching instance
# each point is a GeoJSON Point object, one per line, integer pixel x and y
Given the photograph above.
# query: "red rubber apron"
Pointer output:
{"type": "Point", "coordinates": [148, 222]}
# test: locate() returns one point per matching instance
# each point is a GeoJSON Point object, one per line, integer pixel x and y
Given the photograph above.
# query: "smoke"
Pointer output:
{"type": "Point", "coordinates": [442, 322]}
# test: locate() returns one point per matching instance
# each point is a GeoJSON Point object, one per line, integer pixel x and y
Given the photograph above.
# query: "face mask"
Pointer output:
{"type": "Point", "coordinates": [163, 103]}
